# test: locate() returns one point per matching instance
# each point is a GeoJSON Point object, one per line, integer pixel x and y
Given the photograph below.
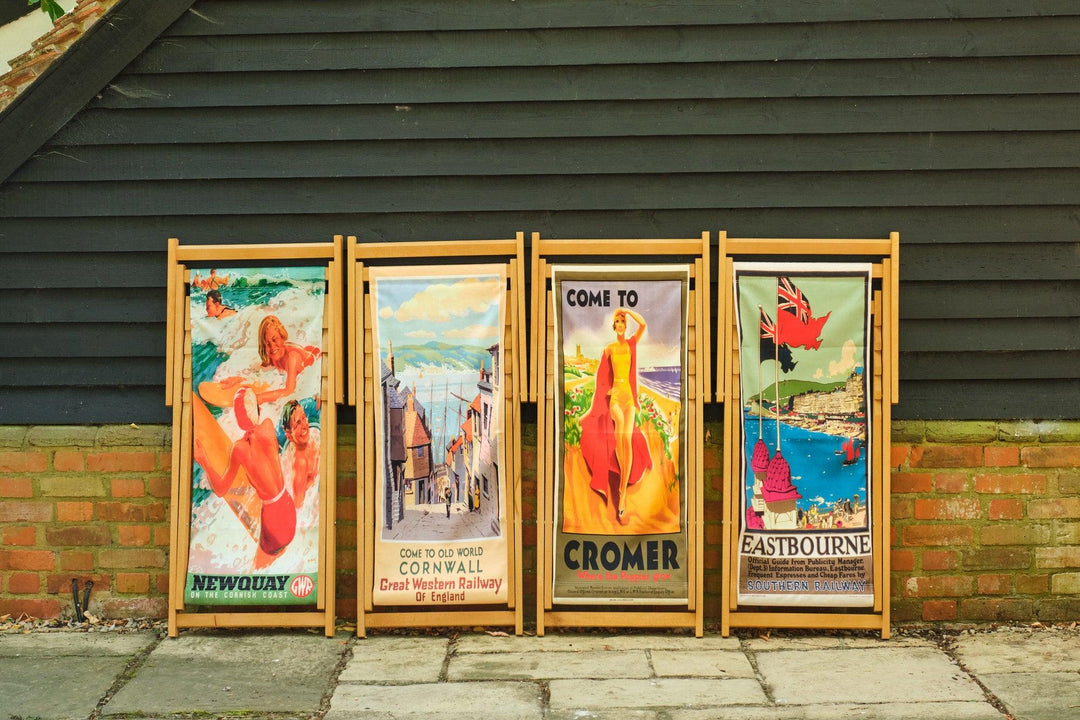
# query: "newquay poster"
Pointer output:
{"type": "Point", "coordinates": [256, 349]}
{"type": "Point", "coordinates": [805, 528]}
{"type": "Point", "coordinates": [620, 363]}
{"type": "Point", "coordinates": [440, 491]}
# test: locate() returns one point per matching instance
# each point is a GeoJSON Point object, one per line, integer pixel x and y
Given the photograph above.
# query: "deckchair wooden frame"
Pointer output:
{"type": "Point", "coordinates": [884, 254]}
{"type": "Point", "coordinates": [363, 384]}
{"type": "Point", "coordinates": [178, 395]}
{"type": "Point", "coordinates": [695, 253]}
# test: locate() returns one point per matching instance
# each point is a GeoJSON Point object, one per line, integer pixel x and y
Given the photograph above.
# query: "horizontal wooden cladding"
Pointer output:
{"type": "Point", "coordinates": [83, 340]}
{"type": "Point", "coordinates": [719, 191]}
{"type": "Point", "coordinates": [1051, 364]}
{"type": "Point", "coordinates": [537, 47]}
{"type": "Point", "coordinates": [832, 78]}
{"type": "Point", "coordinates": [597, 156]}
{"type": "Point", "coordinates": [25, 300]}
{"type": "Point", "coordinates": [46, 275]}
{"type": "Point", "coordinates": [993, 335]}
{"type": "Point", "coordinates": [617, 118]}
{"type": "Point", "coordinates": [994, 261]}
{"type": "Point", "coordinates": [978, 299]}
{"type": "Point", "coordinates": [213, 17]}
{"type": "Point", "coordinates": [45, 372]}
{"type": "Point", "coordinates": [87, 404]}
{"type": "Point", "coordinates": [918, 226]}
{"type": "Point", "coordinates": [985, 399]}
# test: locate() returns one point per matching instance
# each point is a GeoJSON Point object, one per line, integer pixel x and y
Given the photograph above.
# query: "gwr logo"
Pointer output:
{"type": "Point", "coordinates": [302, 585]}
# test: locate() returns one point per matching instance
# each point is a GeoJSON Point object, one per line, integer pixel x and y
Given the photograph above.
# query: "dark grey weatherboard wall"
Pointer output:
{"type": "Point", "coordinates": [955, 123]}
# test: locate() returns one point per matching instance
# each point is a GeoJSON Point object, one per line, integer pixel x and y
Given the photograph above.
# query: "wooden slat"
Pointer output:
{"type": "Point", "coordinates": [229, 17]}
{"type": "Point", "coordinates": [170, 318]}
{"type": "Point", "coordinates": [621, 618]}
{"type": "Point", "coordinates": [612, 155]}
{"type": "Point", "coordinates": [337, 49]}
{"type": "Point", "coordinates": [927, 232]}
{"type": "Point", "coordinates": [843, 621]}
{"type": "Point", "coordinates": [436, 248]}
{"type": "Point", "coordinates": [570, 192]}
{"type": "Point", "coordinates": [845, 78]}
{"type": "Point", "coordinates": [600, 247]}
{"type": "Point", "coordinates": [251, 620]}
{"type": "Point", "coordinates": [440, 618]}
{"type": "Point", "coordinates": [748, 117]}
{"type": "Point", "coordinates": [260, 251]}
{"type": "Point", "coordinates": [892, 303]}
{"type": "Point", "coordinates": [355, 325]}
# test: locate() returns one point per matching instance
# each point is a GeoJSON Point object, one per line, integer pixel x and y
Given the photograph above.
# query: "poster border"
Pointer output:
{"type": "Point", "coordinates": [672, 272]}
{"type": "Point", "coordinates": [816, 270]}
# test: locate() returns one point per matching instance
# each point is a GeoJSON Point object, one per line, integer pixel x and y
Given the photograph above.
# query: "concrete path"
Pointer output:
{"type": "Point", "coordinates": [281, 675]}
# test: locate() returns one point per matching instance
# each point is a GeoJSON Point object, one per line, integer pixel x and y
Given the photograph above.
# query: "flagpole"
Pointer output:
{"type": "Point", "coordinates": [761, 389]}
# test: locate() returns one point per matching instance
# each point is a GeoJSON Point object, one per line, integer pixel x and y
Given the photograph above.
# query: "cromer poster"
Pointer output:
{"type": "Point", "coordinates": [620, 472]}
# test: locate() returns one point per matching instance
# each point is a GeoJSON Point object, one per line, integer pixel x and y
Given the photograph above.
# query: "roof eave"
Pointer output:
{"type": "Point", "coordinates": [75, 78]}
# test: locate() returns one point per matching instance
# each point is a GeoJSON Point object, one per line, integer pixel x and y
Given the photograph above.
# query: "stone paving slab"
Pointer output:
{"type": "Point", "coordinates": [549, 665]}
{"type": "Point", "coordinates": [563, 642]}
{"type": "Point", "coordinates": [653, 693]}
{"type": "Point", "coordinates": [888, 675]}
{"type": "Point", "coordinates": [892, 711]}
{"type": "Point", "coordinates": [1019, 652]}
{"type": "Point", "coordinates": [396, 660]}
{"type": "Point", "coordinates": [615, 714]}
{"type": "Point", "coordinates": [233, 672]}
{"type": "Point", "coordinates": [447, 701]}
{"type": "Point", "coordinates": [1037, 696]}
{"type": "Point", "coordinates": [74, 644]}
{"type": "Point", "coordinates": [702, 663]}
{"type": "Point", "coordinates": [782, 642]}
{"type": "Point", "coordinates": [55, 676]}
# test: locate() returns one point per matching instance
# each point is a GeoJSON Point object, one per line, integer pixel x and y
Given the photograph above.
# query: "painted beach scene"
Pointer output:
{"type": "Point", "coordinates": [256, 337]}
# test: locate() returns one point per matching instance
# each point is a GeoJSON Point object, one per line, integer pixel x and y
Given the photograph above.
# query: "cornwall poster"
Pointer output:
{"type": "Point", "coordinates": [439, 498]}
{"type": "Point", "coordinates": [620, 473]}
{"type": "Point", "coordinates": [805, 537]}
{"type": "Point", "coordinates": [256, 347]}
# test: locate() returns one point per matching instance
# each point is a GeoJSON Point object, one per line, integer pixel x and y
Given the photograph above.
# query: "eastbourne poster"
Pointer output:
{"type": "Point", "coordinates": [620, 473]}
{"type": "Point", "coordinates": [256, 349]}
{"type": "Point", "coordinates": [440, 490]}
{"type": "Point", "coordinates": [805, 537]}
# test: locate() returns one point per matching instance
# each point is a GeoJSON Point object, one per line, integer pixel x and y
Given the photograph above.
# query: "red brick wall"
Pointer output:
{"type": "Point", "coordinates": [986, 520]}
{"type": "Point", "coordinates": [84, 503]}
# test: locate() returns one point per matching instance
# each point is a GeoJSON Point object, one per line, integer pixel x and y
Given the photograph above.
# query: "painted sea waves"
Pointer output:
{"type": "Point", "coordinates": [256, 367]}
{"type": "Point", "coordinates": [806, 507]}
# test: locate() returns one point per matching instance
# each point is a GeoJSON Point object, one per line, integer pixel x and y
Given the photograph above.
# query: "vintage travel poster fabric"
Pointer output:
{"type": "Point", "coordinates": [256, 347]}
{"type": "Point", "coordinates": [620, 474]}
{"type": "Point", "coordinates": [439, 405]}
{"type": "Point", "coordinates": [805, 535]}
